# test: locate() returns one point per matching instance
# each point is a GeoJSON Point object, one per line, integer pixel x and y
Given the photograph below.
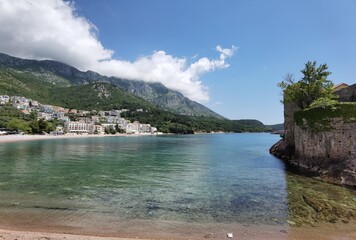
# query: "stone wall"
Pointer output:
{"type": "Point", "coordinates": [289, 110]}
{"type": "Point", "coordinates": [326, 149]}
{"type": "Point", "coordinates": [322, 142]}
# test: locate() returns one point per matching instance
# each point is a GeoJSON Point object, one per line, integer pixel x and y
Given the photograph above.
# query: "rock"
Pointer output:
{"type": "Point", "coordinates": [291, 223]}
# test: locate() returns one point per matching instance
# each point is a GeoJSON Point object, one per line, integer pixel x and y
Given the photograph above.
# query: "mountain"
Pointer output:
{"type": "Point", "coordinates": [64, 75]}
{"type": "Point", "coordinates": [98, 96]}
{"type": "Point", "coordinates": [103, 96]}
{"type": "Point", "coordinates": [55, 83]}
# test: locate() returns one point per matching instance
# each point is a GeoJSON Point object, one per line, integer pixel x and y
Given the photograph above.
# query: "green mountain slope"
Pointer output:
{"type": "Point", "coordinates": [64, 75]}
{"type": "Point", "coordinates": [98, 96]}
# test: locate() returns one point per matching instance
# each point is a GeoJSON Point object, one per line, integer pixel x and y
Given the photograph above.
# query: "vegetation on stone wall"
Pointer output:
{"type": "Point", "coordinates": [318, 119]}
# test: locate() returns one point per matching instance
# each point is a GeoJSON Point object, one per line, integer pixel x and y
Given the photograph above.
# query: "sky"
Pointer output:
{"type": "Point", "coordinates": [227, 55]}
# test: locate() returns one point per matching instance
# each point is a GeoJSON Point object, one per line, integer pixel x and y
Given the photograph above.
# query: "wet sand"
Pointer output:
{"type": "Point", "coordinates": [25, 224]}
{"type": "Point", "coordinates": [171, 231]}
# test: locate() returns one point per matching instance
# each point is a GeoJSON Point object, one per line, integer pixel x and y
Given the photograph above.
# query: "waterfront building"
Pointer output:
{"type": "Point", "coordinates": [132, 127]}
{"type": "Point", "coordinates": [78, 127]}
{"type": "Point", "coordinates": [99, 129]}
{"type": "Point", "coordinates": [145, 128]}
{"type": "Point", "coordinates": [153, 130]}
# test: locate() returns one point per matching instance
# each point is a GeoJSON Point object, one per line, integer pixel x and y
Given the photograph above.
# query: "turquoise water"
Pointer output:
{"type": "Point", "coordinates": [211, 178]}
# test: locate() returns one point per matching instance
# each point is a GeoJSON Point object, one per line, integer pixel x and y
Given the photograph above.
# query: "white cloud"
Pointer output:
{"type": "Point", "coordinates": [51, 29]}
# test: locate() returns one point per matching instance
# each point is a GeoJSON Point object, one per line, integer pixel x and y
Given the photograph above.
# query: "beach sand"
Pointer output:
{"type": "Point", "coordinates": [18, 137]}
{"type": "Point", "coordinates": [218, 231]}
{"type": "Point", "coordinates": [28, 235]}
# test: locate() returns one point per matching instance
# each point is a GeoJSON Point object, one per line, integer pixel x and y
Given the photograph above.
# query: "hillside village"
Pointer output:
{"type": "Point", "coordinates": [79, 121]}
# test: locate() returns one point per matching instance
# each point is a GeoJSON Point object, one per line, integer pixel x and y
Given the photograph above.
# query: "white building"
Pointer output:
{"type": "Point", "coordinates": [59, 131]}
{"type": "Point", "coordinates": [17, 99]}
{"type": "Point", "coordinates": [4, 99]}
{"type": "Point", "coordinates": [145, 128]}
{"type": "Point", "coordinates": [58, 115]}
{"type": "Point", "coordinates": [20, 102]}
{"type": "Point", "coordinates": [34, 106]}
{"type": "Point", "coordinates": [112, 119]}
{"type": "Point", "coordinates": [133, 127]}
{"type": "Point", "coordinates": [78, 127]}
{"type": "Point", "coordinates": [45, 116]}
{"type": "Point", "coordinates": [102, 113]}
{"type": "Point", "coordinates": [47, 108]}
{"type": "Point", "coordinates": [115, 113]}
{"type": "Point", "coordinates": [95, 119]}
{"type": "Point", "coordinates": [99, 129]}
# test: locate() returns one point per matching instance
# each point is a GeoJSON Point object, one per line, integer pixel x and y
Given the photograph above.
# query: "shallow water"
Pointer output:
{"type": "Point", "coordinates": [215, 178]}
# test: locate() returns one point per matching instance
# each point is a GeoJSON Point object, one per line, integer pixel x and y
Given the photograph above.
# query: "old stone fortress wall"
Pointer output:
{"type": "Point", "coordinates": [328, 146]}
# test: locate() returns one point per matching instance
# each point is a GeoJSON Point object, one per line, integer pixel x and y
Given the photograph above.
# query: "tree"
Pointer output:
{"type": "Point", "coordinates": [118, 129]}
{"type": "Point", "coordinates": [112, 130]}
{"type": "Point", "coordinates": [42, 124]}
{"type": "Point", "coordinates": [313, 85]}
{"type": "Point", "coordinates": [19, 125]}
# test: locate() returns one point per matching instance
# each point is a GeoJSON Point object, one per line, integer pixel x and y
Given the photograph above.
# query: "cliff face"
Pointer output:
{"type": "Point", "coordinates": [321, 142]}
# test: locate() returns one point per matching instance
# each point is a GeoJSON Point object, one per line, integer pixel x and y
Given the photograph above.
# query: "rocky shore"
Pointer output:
{"type": "Point", "coordinates": [335, 172]}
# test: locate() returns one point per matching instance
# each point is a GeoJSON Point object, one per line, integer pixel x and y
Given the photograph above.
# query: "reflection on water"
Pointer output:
{"type": "Point", "coordinates": [204, 178]}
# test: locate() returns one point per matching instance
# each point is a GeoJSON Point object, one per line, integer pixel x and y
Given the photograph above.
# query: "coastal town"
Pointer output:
{"type": "Point", "coordinates": [73, 121]}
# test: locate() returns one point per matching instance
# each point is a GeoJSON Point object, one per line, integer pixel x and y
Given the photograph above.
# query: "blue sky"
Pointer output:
{"type": "Point", "coordinates": [273, 38]}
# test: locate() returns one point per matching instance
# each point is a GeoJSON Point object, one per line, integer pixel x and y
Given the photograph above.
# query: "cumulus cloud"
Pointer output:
{"type": "Point", "coordinates": [52, 29]}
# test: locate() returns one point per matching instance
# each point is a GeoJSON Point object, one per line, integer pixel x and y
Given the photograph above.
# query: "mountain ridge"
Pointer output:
{"type": "Point", "coordinates": [102, 96]}
{"type": "Point", "coordinates": [65, 75]}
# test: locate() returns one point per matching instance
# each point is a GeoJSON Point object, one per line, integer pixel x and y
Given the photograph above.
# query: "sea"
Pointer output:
{"type": "Point", "coordinates": [83, 183]}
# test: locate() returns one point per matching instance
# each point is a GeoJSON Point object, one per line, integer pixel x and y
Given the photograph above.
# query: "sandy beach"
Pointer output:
{"type": "Point", "coordinates": [18, 137]}
{"type": "Point", "coordinates": [218, 231]}
{"type": "Point", "coordinates": [27, 235]}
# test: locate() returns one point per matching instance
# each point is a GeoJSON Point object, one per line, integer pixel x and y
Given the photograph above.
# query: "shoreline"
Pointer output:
{"type": "Point", "coordinates": [338, 174]}
{"type": "Point", "coordinates": [6, 234]}
{"type": "Point", "coordinates": [172, 231]}
{"type": "Point", "coordinates": [26, 137]}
